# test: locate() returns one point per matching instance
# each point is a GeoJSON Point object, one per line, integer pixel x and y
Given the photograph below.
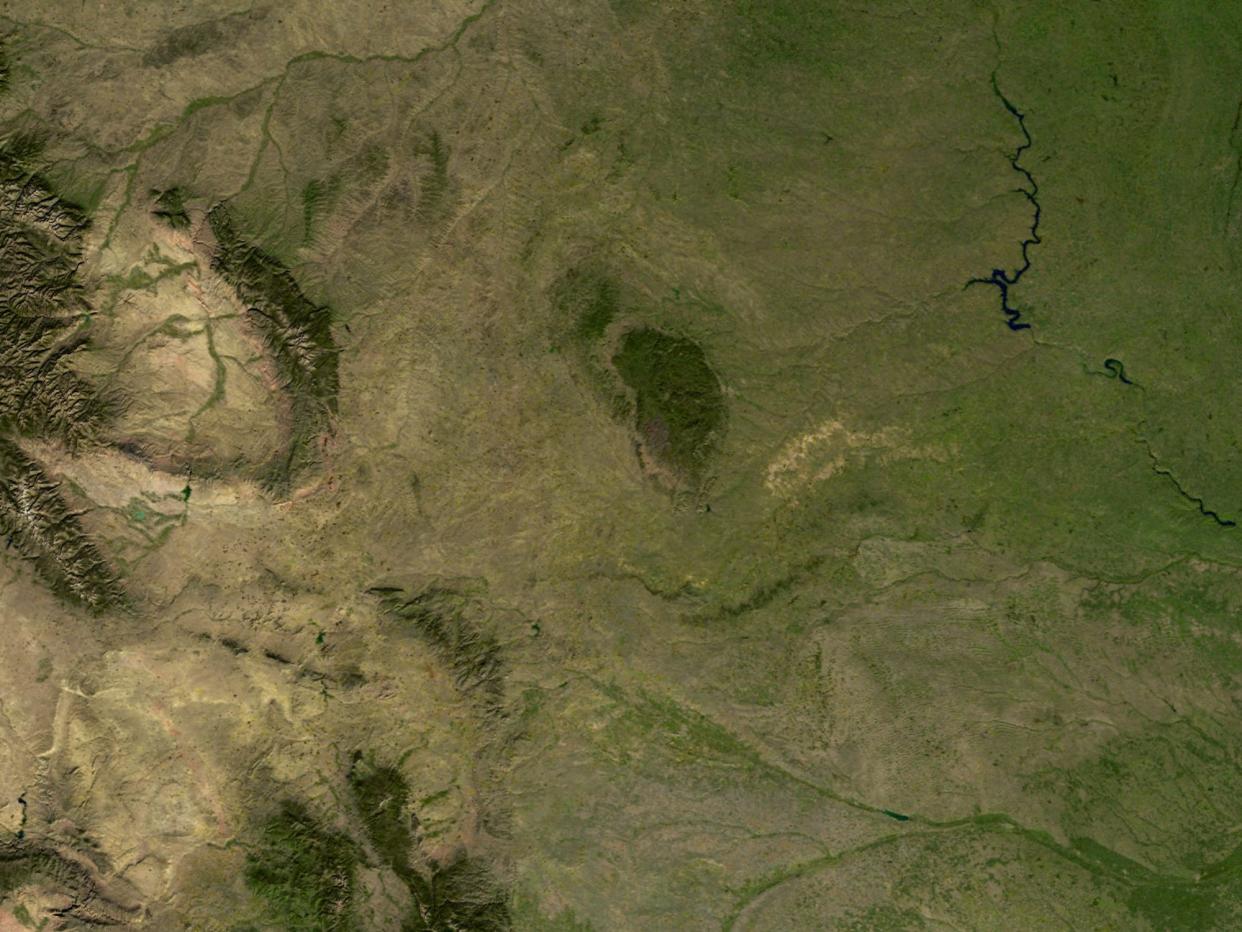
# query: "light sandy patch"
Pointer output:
{"type": "Point", "coordinates": [820, 453]}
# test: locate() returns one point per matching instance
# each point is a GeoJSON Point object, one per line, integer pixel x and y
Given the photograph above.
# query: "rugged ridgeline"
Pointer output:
{"type": "Point", "coordinates": [27, 867]}
{"type": "Point", "coordinates": [306, 872]}
{"type": "Point", "coordinates": [42, 324]}
{"type": "Point", "coordinates": [37, 523]}
{"type": "Point", "coordinates": [297, 334]}
{"type": "Point", "coordinates": [451, 623]}
{"type": "Point", "coordinates": [41, 307]}
{"type": "Point", "coordinates": [459, 893]}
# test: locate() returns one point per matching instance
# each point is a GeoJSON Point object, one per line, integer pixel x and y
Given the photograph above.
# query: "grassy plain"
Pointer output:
{"type": "Point", "coordinates": [501, 465]}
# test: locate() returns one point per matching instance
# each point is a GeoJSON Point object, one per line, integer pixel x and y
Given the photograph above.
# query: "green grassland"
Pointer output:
{"type": "Point", "coordinates": [620, 497]}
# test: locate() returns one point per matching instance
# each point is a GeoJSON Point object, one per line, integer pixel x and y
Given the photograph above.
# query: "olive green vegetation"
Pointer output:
{"type": "Point", "coordinates": [200, 38]}
{"type": "Point", "coordinates": [35, 519]}
{"type": "Point", "coordinates": [679, 407]}
{"type": "Point", "coordinates": [382, 796]}
{"type": "Point", "coordinates": [303, 872]}
{"type": "Point", "coordinates": [1174, 907]}
{"type": "Point", "coordinates": [528, 915]}
{"type": "Point", "coordinates": [42, 327]}
{"type": "Point", "coordinates": [460, 894]}
{"type": "Point", "coordinates": [317, 198]}
{"type": "Point", "coordinates": [26, 864]}
{"type": "Point", "coordinates": [586, 301]}
{"type": "Point", "coordinates": [1135, 87]}
{"type": "Point", "coordinates": [297, 333]}
{"type": "Point", "coordinates": [40, 395]}
{"type": "Point", "coordinates": [433, 187]}
{"type": "Point", "coordinates": [590, 299]}
{"type": "Point", "coordinates": [1210, 901]}
{"type": "Point", "coordinates": [1103, 722]}
{"type": "Point", "coordinates": [1019, 445]}
{"type": "Point", "coordinates": [21, 151]}
{"type": "Point", "coordinates": [884, 918]}
{"type": "Point", "coordinates": [170, 207]}
{"type": "Point", "coordinates": [441, 617]}
{"type": "Point", "coordinates": [760, 33]}
{"type": "Point", "coordinates": [17, 868]}
{"type": "Point", "coordinates": [782, 32]}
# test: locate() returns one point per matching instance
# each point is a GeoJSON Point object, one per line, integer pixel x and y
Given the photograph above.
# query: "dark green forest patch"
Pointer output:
{"type": "Point", "coordinates": [679, 407]}
{"type": "Point", "coordinates": [303, 872]}
{"type": "Point", "coordinates": [297, 333]}
{"type": "Point", "coordinates": [588, 301]}
{"type": "Point", "coordinates": [382, 797]}
{"type": "Point", "coordinates": [36, 523]}
{"type": "Point", "coordinates": [461, 893]}
{"type": "Point", "coordinates": [170, 207]}
{"type": "Point", "coordinates": [42, 324]}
